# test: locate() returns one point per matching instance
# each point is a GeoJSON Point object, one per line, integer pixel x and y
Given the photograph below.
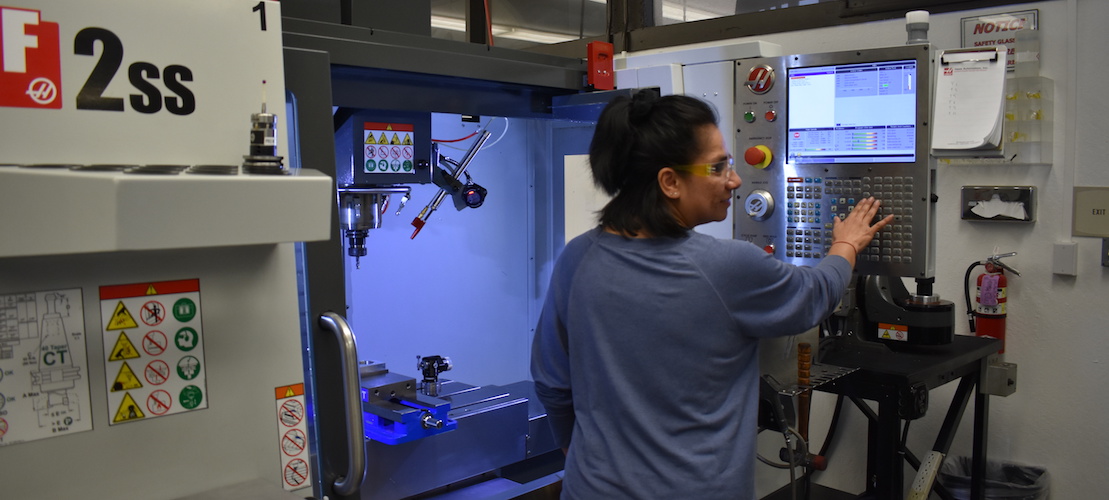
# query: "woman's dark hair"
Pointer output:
{"type": "Point", "coordinates": [635, 138]}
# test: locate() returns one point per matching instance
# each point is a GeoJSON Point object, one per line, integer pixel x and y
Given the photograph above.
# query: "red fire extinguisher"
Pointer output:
{"type": "Point", "coordinates": [990, 302]}
{"type": "Point", "coordinates": [991, 298]}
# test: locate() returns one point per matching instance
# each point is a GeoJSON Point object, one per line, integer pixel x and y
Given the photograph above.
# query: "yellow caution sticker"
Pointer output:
{"type": "Point", "coordinates": [128, 410]}
{"type": "Point", "coordinates": [889, 331]}
{"type": "Point", "coordinates": [407, 140]}
{"type": "Point", "coordinates": [123, 349]}
{"type": "Point", "coordinates": [150, 290]}
{"type": "Point", "coordinates": [383, 139]}
{"type": "Point", "coordinates": [370, 139]}
{"type": "Point", "coordinates": [121, 319]}
{"type": "Point", "coordinates": [396, 140]}
{"type": "Point", "coordinates": [126, 380]}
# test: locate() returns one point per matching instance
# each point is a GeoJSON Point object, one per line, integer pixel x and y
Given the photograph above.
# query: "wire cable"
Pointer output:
{"type": "Point", "coordinates": [966, 294]}
{"type": "Point", "coordinates": [456, 140]}
{"type": "Point", "coordinates": [498, 139]}
{"type": "Point", "coordinates": [488, 23]}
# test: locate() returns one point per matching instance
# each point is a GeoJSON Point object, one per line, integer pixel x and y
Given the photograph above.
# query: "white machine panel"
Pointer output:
{"type": "Point", "coordinates": [86, 254]}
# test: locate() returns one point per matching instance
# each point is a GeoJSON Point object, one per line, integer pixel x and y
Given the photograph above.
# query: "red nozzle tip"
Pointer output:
{"type": "Point", "coordinates": [418, 223]}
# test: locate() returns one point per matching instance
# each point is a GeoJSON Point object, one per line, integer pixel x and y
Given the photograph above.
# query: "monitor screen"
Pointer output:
{"type": "Point", "coordinates": [853, 113]}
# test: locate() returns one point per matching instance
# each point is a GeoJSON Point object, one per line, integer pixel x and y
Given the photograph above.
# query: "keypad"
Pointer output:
{"type": "Point", "coordinates": [811, 202]}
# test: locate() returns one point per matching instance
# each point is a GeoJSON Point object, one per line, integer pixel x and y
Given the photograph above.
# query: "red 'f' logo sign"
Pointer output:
{"type": "Point", "coordinates": [30, 60]}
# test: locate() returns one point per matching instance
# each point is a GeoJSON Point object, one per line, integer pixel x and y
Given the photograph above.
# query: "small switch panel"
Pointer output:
{"type": "Point", "coordinates": [1065, 259]}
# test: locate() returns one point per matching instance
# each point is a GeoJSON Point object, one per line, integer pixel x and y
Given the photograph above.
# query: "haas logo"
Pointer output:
{"type": "Point", "coordinates": [30, 60]}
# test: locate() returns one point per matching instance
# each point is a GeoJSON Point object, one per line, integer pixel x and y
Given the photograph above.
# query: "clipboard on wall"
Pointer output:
{"type": "Point", "coordinates": [969, 103]}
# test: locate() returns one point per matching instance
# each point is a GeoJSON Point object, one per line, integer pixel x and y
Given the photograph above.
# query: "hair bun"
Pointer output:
{"type": "Point", "coordinates": [642, 104]}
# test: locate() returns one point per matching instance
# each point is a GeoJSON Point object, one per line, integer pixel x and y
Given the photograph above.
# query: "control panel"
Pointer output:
{"type": "Point", "coordinates": [819, 132]}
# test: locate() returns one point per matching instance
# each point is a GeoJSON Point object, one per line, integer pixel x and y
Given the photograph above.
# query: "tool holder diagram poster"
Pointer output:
{"type": "Point", "coordinates": [44, 382]}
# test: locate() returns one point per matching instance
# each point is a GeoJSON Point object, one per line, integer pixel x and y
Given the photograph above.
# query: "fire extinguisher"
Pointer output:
{"type": "Point", "coordinates": [987, 317]}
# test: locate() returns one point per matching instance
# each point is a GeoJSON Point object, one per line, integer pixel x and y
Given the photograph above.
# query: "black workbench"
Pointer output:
{"type": "Point", "coordinates": [900, 381]}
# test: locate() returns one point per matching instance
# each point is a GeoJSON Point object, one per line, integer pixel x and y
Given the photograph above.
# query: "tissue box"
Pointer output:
{"type": "Point", "coordinates": [998, 203]}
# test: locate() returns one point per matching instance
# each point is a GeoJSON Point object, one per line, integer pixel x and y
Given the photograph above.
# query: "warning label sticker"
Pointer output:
{"type": "Point", "coordinates": [123, 349]}
{"type": "Point", "coordinates": [893, 332]}
{"type": "Point", "coordinates": [128, 410]}
{"type": "Point", "coordinates": [292, 436]}
{"type": "Point", "coordinates": [126, 380]}
{"type": "Point", "coordinates": [121, 319]}
{"type": "Point", "coordinates": [397, 158]}
{"type": "Point", "coordinates": [154, 361]}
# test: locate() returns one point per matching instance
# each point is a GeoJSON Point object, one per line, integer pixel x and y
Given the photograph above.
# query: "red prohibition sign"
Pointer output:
{"type": "Point", "coordinates": [153, 313]}
{"type": "Point", "coordinates": [293, 443]}
{"type": "Point", "coordinates": [383, 151]}
{"type": "Point", "coordinates": [291, 413]}
{"type": "Point", "coordinates": [296, 472]}
{"type": "Point", "coordinates": [407, 153]}
{"type": "Point", "coordinates": [395, 152]}
{"type": "Point", "coordinates": [159, 402]}
{"type": "Point", "coordinates": [156, 372]}
{"type": "Point", "coordinates": [370, 151]}
{"type": "Point", "coordinates": [154, 342]}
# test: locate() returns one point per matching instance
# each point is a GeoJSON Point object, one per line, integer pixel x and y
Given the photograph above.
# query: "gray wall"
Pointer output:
{"type": "Point", "coordinates": [1056, 324]}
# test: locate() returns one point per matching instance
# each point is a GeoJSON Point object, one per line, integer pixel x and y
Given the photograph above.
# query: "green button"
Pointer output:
{"type": "Point", "coordinates": [749, 116]}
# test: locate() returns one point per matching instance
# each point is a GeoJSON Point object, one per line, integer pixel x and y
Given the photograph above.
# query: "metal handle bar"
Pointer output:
{"type": "Point", "coordinates": [356, 468]}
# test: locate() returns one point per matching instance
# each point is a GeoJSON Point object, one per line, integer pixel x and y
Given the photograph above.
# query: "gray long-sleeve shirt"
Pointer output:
{"type": "Point", "coordinates": [645, 357]}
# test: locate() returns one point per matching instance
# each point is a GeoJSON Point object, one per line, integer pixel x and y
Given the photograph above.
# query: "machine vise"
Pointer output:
{"type": "Point", "coordinates": [395, 412]}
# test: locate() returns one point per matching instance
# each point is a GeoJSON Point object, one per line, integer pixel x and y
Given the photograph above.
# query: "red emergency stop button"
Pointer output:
{"type": "Point", "coordinates": [769, 249]}
{"type": "Point", "coordinates": [758, 156]}
{"type": "Point", "coordinates": [771, 115]}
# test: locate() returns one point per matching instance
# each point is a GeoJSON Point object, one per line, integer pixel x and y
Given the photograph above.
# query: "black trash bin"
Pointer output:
{"type": "Point", "coordinates": [1004, 481]}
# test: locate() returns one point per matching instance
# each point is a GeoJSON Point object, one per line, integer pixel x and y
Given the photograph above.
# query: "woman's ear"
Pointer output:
{"type": "Point", "coordinates": [669, 182]}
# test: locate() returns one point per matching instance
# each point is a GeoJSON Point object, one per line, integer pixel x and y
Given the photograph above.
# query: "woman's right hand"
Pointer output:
{"type": "Point", "coordinates": [853, 233]}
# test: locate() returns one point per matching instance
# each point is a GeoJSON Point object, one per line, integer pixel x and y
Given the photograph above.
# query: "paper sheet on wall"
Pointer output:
{"type": "Point", "coordinates": [969, 103]}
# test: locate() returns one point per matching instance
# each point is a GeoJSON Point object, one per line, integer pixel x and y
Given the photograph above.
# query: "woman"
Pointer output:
{"type": "Point", "coordinates": [645, 355]}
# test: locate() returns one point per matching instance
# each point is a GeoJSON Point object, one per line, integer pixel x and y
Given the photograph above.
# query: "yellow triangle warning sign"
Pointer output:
{"type": "Point", "coordinates": [289, 392]}
{"type": "Point", "coordinates": [396, 140]}
{"type": "Point", "coordinates": [128, 410]}
{"type": "Point", "coordinates": [370, 139]}
{"type": "Point", "coordinates": [151, 291]}
{"type": "Point", "coordinates": [121, 318]}
{"type": "Point", "coordinates": [126, 380]}
{"type": "Point", "coordinates": [383, 139]}
{"type": "Point", "coordinates": [389, 127]}
{"type": "Point", "coordinates": [123, 349]}
{"type": "Point", "coordinates": [407, 140]}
